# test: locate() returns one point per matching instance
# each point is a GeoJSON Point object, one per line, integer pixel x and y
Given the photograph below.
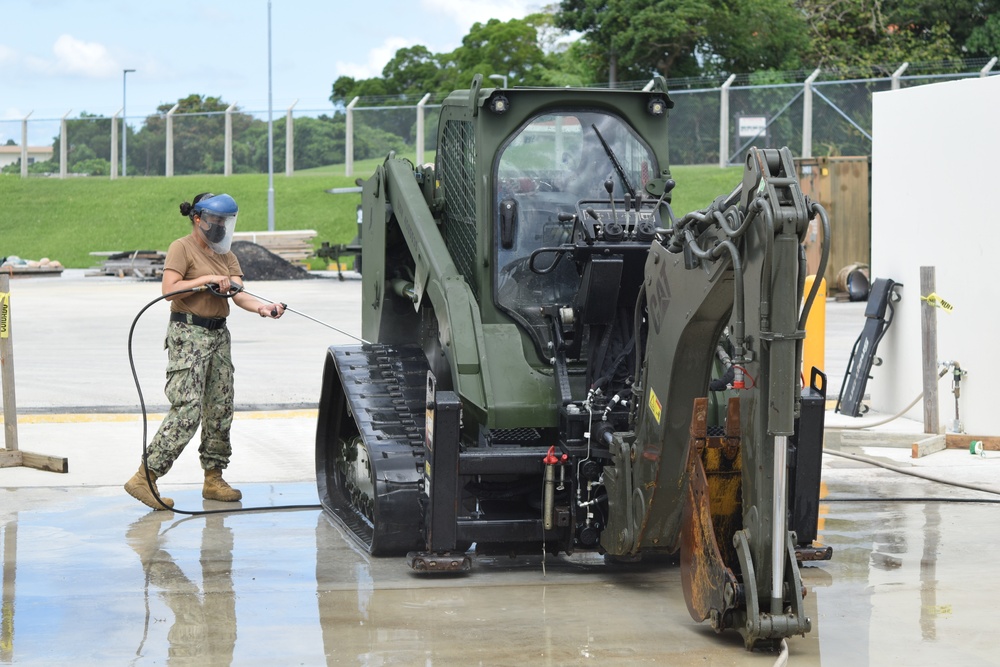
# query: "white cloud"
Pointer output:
{"type": "Point", "coordinates": [377, 59]}
{"type": "Point", "coordinates": [7, 55]}
{"type": "Point", "coordinates": [466, 12]}
{"type": "Point", "coordinates": [12, 113]}
{"type": "Point", "coordinates": [88, 59]}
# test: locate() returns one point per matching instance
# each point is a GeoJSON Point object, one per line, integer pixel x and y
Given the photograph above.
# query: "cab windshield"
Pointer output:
{"type": "Point", "coordinates": [551, 165]}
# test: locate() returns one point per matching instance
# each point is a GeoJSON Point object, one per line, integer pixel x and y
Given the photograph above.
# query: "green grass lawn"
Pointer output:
{"type": "Point", "coordinates": [66, 220]}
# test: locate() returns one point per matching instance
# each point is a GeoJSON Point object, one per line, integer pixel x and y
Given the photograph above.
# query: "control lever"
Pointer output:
{"type": "Point", "coordinates": [628, 212]}
{"type": "Point", "coordinates": [609, 185]}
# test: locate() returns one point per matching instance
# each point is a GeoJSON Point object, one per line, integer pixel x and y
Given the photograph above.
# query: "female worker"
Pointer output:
{"type": "Point", "coordinates": [199, 367]}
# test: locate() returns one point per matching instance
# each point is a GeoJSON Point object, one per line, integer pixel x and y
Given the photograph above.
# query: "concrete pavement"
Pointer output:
{"type": "Point", "coordinates": [93, 577]}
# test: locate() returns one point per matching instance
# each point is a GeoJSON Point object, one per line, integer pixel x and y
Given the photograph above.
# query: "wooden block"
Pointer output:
{"type": "Point", "coordinates": [921, 448]}
{"type": "Point", "coordinates": [43, 462]}
{"type": "Point", "coordinates": [10, 458]}
{"type": "Point", "coordinates": [962, 440]}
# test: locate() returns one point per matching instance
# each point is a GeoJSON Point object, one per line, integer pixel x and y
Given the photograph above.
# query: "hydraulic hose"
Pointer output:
{"type": "Point", "coordinates": [145, 424]}
{"type": "Point", "coordinates": [816, 209]}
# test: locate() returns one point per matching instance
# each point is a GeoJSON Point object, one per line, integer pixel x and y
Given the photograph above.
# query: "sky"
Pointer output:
{"type": "Point", "coordinates": [59, 56]}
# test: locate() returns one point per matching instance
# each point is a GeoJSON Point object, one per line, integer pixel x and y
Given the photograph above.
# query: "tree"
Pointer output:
{"type": "Point", "coordinates": [89, 147]}
{"type": "Point", "coordinates": [512, 49]}
{"type": "Point", "coordinates": [412, 70]}
{"type": "Point", "coordinates": [199, 139]}
{"type": "Point", "coordinates": [754, 35]}
{"type": "Point", "coordinates": [638, 37]}
{"type": "Point", "coordinates": [984, 40]}
{"type": "Point", "coordinates": [593, 19]}
{"type": "Point", "coordinates": [862, 33]}
{"type": "Point", "coordinates": [509, 49]}
{"type": "Point", "coordinates": [967, 22]}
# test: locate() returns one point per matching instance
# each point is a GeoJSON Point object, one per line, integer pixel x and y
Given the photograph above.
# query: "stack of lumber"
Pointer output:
{"type": "Point", "coordinates": [146, 264]}
{"type": "Point", "coordinates": [292, 246]}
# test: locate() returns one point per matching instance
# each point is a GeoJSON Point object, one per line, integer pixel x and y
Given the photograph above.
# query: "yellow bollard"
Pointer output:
{"type": "Point", "coordinates": [814, 347]}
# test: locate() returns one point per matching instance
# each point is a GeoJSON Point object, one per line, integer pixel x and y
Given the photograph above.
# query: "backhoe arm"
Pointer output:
{"type": "Point", "coordinates": [735, 266]}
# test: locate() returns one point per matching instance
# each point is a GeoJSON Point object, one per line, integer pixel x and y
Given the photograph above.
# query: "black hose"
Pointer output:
{"type": "Point", "coordinates": [145, 426]}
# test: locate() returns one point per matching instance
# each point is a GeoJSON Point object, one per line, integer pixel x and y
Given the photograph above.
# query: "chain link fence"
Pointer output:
{"type": "Point", "coordinates": [710, 124]}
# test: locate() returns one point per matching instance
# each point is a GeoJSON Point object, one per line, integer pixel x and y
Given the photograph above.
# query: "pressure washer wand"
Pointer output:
{"type": "Point", "coordinates": [308, 317]}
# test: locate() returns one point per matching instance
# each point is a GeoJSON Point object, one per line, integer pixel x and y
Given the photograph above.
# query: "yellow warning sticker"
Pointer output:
{"type": "Point", "coordinates": [4, 314]}
{"type": "Point", "coordinates": [654, 405]}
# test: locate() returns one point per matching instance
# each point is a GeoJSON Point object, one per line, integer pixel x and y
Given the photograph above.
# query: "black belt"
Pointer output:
{"type": "Point", "coordinates": [210, 323]}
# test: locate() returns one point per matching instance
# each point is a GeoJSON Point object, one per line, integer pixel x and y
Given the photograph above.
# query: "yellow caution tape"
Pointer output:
{"type": "Point", "coordinates": [4, 310]}
{"type": "Point", "coordinates": [934, 300]}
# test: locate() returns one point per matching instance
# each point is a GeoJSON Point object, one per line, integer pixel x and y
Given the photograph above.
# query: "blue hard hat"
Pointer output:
{"type": "Point", "coordinates": [218, 204]}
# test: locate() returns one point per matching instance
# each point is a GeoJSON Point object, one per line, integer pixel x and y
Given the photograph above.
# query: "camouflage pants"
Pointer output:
{"type": "Point", "coordinates": [200, 390]}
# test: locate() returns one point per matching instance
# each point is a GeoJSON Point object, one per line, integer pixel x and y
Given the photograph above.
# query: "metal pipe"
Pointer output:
{"type": "Point", "coordinates": [125, 73]}
{"type": "Point", "coordinates": [897, 75]}
{"type": "Point", "coordinates": [270, 129]}
{"type": "Point", "coordinates": [308, 317]}
{"type": "Point", "coordinates": [778, 521]}
{"type": "Point", "coordinates": [807, 114]}
{"type": "Point", "coordinates": [724, 121]}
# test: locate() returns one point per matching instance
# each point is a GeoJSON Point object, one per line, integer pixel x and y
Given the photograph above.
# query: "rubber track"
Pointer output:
{"type": "Point", "coordinates": [385, 388]}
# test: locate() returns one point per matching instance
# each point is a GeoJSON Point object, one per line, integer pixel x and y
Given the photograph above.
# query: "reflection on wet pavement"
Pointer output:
{"type": "Point", "coordinates": [90, 578]}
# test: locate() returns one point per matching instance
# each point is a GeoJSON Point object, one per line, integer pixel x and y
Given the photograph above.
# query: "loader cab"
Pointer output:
{"type": "Point", "coordinates": [556, 165]}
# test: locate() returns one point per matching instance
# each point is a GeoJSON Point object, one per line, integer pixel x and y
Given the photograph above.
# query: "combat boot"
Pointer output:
{"type": "Point", "coordinates": [217, 488]}
{"type": "Point", "coordinates": [146, 492]}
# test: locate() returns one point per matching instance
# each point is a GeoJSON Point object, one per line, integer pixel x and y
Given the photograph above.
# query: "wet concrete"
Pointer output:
{"type": "Point", "coordinates": [92, 577]}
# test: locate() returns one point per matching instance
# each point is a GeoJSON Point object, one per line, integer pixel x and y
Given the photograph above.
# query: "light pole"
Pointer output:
{"type": "Point", "coordinates": [270, 131]}
{"type": "Point", "coordinates": [124, 120]}
{"type": "Point", "coordinates": [500, 77]}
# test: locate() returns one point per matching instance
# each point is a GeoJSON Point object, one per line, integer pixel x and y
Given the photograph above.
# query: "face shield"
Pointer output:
{"type": "Point", "coordinates": [216, 219]}
{"type": "Point", "coordinates": [217, 230]}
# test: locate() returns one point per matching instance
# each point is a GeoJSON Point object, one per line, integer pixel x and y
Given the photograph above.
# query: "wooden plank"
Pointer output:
{"type": "Point", "coordinates": [962, 441]}
{"type": "Point", "coordinates": [267, 238]}
{"type": "Point", "coordinates": [921, 448]}
{"type": "Point", "coordinates": [43, 462]}
{"type": "Point", "coordinates": [7, 366]}
{"type": "Point", "coordinates": [928, 337]}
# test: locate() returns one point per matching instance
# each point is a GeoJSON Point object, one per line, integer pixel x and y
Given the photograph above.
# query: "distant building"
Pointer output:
{"type": "Point", "coordinates": [11, 154]}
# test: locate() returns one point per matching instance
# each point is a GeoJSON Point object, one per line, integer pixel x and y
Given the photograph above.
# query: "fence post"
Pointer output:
{"type": "Point", "coordinates": [228, 165]}
{"type": "Point", "coordinates": [289, 141]}
{"type": "Point", "coordinates": [168, 168]}
{"type": "Point", "coordinates": [420, 128]}
{"type": "Point", "coordinates": [349, 139]}
{"type": "Point", "coordinates": [24, 145]}
{"type": "Point", "coordinates": [63, 146]}
{"type": "Point", "coordinates": [114, 144]}
{"type": "Point", "coordinates": [985, 71]}
{"type": "Point", "coordinates": [724, 121]}
{"type": "Point", "coordinates": [897, 74]}
{"type": "Point", "coordinates": [807, 115]}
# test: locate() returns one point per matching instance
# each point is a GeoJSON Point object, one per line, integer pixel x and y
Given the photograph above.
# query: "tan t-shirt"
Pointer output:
{"type": "Point", "coordinates": [188, 258]}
